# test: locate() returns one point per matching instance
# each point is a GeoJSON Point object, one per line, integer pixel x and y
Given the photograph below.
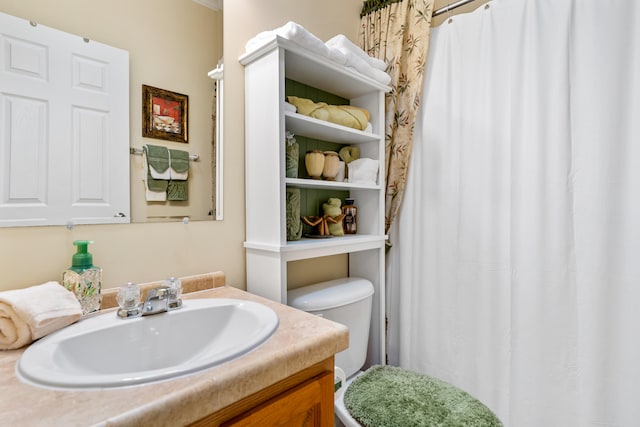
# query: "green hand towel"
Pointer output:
{"type": "Point", "coordinates": [157, 158]}
{"type": "Point", "coordinates": [156, 184]}
{"type": "Point", "coordinates": [179, 160]}
{"type": "Point", "coordinates": [178, 191]}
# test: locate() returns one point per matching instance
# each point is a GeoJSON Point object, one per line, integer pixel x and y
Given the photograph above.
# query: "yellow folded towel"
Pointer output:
{"type": "Point", "coordinates": [345, 115]}
{"type": "Point", "coordinates": [31, 313]}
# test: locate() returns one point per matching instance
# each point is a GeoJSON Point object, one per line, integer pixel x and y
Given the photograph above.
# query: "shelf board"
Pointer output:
{"type": "Point", "coordinates": [312, 248]}
{"type": "Point", "coordinates": [328, 185]}
{"type": "Point", "coordinates": [327, 131]}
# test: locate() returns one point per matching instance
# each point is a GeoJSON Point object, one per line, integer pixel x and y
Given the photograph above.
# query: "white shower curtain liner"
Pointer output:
{"type": "Point", "coordinates": [515, 273]}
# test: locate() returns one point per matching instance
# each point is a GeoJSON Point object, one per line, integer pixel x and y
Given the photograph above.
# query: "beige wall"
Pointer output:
{"type": "Point", "coordinates": [147, 252]}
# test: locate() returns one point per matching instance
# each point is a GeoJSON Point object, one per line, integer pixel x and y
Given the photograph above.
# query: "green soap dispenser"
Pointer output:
{"type": "Point", "coordinates": [83, 278]}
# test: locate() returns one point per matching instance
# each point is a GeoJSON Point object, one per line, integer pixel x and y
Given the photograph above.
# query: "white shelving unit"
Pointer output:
{"type": "Point", "coordinates": [266, 123]}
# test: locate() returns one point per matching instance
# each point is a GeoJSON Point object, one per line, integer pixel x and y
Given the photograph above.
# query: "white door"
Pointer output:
{"type": "Point", "coordinates": [64, 128]}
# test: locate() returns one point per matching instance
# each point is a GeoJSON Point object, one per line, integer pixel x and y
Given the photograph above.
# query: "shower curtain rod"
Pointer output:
{"type": "Point", "coordinates": [450, 7]}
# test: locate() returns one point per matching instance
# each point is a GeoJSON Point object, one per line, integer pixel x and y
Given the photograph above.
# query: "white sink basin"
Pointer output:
{"type": "Point", "coordinates": [106, 351]}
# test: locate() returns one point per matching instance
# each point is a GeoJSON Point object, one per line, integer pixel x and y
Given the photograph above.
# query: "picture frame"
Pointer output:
{"type": "Point", "coordinates": [165, 114]}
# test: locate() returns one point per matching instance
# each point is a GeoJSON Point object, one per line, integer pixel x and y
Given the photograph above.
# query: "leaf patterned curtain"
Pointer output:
{"type": "Point", "coordinates": [397, 31]}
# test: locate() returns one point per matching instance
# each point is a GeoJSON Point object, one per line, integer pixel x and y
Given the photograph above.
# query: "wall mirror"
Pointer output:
{"type": "Point", "coordinates": [175, 48]}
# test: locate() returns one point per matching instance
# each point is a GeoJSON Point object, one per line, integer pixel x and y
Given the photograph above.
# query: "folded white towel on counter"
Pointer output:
{"type": "Point", "coordinates": [363, 171]}
{"type": "Point", "coordinates": [31, 313]}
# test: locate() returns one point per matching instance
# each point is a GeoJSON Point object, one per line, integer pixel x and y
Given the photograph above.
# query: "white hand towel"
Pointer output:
{"type": "Point", "coordinates": [363, 171]}
{"type": "Point", "coordinates": [357, 63]}
{"type": "Point", "coordinates": [342, 42]}
{"type": "Point", "coordinates": [179, 176]}
{"type": "Point", "coordinates": [341, 170]}
{"type": "Point", "coordinates": [297, 34]}
{"type": "Point", "coordinates": [359, 60]}
{"type": "Point", "coordinates": [31, 313]}
{"type": "Point", "coordinates": [154, 196]}
{"type": "Point", "coordinates": [289, 108]}
{"type": "Point", "coordinates": [369, 128]}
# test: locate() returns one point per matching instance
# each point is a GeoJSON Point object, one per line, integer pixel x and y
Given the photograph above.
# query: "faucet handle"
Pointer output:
{"type": "Point", "coordinates": [129, 301]}
{"type": "Point", "coordinates": [174, 286]}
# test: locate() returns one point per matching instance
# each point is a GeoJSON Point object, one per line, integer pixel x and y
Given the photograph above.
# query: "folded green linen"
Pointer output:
{"type": "Point", "coordinates": [179, 161]}
{"type": "Point", "coordinates": [156, 184]}
{"type": "Point", "coordinates": [178, 191]}
{"type": "Point", "coordinates": [157, 160]}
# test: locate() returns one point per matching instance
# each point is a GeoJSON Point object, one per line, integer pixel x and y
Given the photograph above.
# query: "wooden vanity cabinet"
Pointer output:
{"type": "Point", "coordinates": [304, 399]}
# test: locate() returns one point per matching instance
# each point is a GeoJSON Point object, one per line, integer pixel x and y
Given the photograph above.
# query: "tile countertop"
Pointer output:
{"type": "Point", "coordinates": [301, 340]}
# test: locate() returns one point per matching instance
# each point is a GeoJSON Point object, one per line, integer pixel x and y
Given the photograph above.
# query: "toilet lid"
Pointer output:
{"type": "Point", "coordinates": [330, 294]}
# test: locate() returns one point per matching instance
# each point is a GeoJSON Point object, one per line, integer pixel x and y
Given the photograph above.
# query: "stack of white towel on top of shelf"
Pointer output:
{"type": "Point", "coordinates": [338, 49]}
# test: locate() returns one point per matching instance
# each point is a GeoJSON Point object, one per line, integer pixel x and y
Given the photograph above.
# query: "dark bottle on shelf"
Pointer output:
{"type": "Point", "coordinates": [350, 220]}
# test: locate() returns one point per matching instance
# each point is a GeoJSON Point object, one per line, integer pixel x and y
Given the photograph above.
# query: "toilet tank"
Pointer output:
{"type": "Point", "coordinates": [347, 301]}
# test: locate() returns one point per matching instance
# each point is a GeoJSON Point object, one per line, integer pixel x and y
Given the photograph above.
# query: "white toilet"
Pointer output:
{"type": "Point", "coordinates": [346, 301]}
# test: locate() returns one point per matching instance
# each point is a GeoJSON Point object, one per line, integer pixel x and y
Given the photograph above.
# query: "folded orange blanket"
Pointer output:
{"type": "Point", "coordinates": [345, 115]}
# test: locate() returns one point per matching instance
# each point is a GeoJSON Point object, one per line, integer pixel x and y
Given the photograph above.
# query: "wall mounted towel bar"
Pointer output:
{"type": "Point", "coordinates": [138, 151]}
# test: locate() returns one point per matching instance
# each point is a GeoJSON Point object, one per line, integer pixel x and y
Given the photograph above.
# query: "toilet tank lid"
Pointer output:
{"type": "Point", "coordinates": [330, 294]}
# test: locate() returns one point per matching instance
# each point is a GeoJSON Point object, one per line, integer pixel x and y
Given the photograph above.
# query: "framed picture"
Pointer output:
{"type": "Point", "coordinates": [165, 114]}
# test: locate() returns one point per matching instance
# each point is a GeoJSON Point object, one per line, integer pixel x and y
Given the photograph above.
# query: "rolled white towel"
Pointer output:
{"type": "Point", "coordinates": [342, 42]}
{"type": "Point", "coordinates": [369, 128]}
{"type": "Point", "coordinates": [31, 313]}
{"type": "Point", "coordinates": [289, 107]}
{"type": "Point", "coordinates": [363, 171]}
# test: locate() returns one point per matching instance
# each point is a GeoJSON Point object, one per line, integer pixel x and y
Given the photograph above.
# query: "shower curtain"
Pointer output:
{"type": "Point", "coordinates": [516, 272]}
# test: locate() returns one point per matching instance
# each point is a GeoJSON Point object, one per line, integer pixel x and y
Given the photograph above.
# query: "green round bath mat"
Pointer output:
{"type": "Point", "coordinates": [388, 396]}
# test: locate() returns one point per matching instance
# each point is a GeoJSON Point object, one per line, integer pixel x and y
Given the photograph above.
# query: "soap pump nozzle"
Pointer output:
{"type": "Point", "coordinates": [82, 259]}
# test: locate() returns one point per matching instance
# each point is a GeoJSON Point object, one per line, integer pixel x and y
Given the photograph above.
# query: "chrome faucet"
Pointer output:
{"type": "Point", "coordinates": [161, 299]}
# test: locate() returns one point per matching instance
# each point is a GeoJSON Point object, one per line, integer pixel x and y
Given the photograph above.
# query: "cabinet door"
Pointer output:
{"type": "Point", "coordinates": [308, 405]}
